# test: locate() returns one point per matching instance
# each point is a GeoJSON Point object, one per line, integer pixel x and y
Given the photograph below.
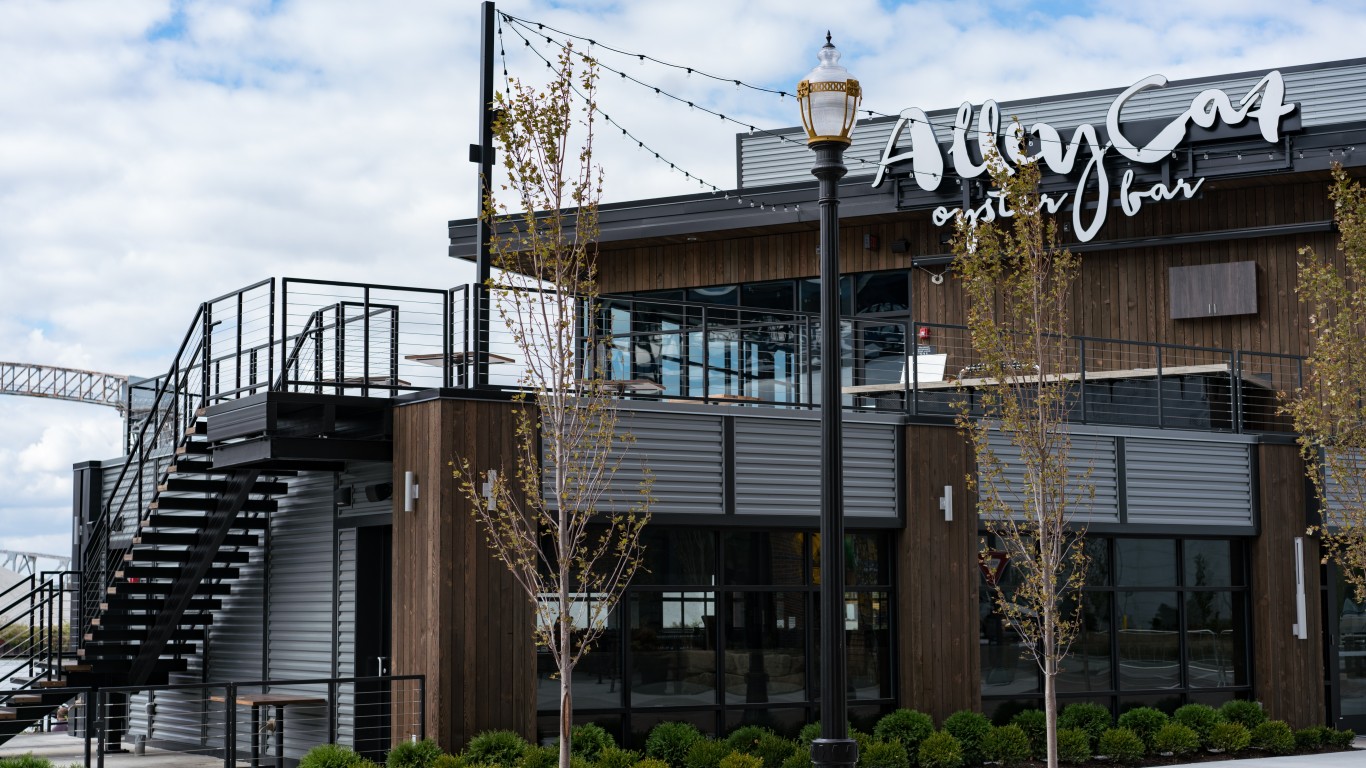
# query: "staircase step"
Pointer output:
{"type": "Point", "coordinates": [185, 465]}
{"type": "Point", "coordinates": [149, 556]}
{"type": "Point", "coordinates": [190, 504]}
{"type": "Point", "coordinates": [168, 572]}
{"type": "Point", "coordinates": [162, 588]}
{"type": "Point", "coordinates": [157, 521]}
{"type": "Point", "coordinates": [127, 620]}
{"type": "Point", "coordinates": [189, 485]}
{"type": "Point", "coordinates": [97, 652]}
{"type": "Point", "coordinates": [122, 604]}
{"type": "Point", "coordinates": [97, 670]}
{"type": "Point", "coordinates": [171, 539]}
{"type": "Point", "coordinates": [192, 448]}
{"type": "Point", "coordinates": [110, 634]}
{"type": "Point", "coordinates": [7, 714]}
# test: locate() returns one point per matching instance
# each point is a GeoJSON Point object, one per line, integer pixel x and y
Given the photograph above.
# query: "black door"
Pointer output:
{"type": "Point", "coordinates": [1346, 653]}
{"type": "Point", "coordinates": [374, 577]}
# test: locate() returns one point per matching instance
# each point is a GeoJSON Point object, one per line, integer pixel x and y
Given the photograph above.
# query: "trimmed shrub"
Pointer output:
{"type": "Point", "coordinates": [1248, 714]}
{"type": "Point", "coordinates": [747, 737]}
{"type": "Point", "coordinates": [1230, 738]}
{"type": "Point", "coordinates": [1339, 739]}
{"type": "Point", "coordinates": [446, 761]}
{"type": "Point", "coordinates": [1275, 737]}
{"type": "Point", "coordinates": [741, 760]}
{"type": "Point", "coordinates": [1199, 718]}
{"type": "Point", "coordinates": [538, 757]}
{"type": "Point", "coordinates": [321, 756]}
{"type": "Point", "coordinates": [1121, 745]}
{"type": "Point", "coordinates": [26, 761]}
{"type": "Point", "coordinates": [774, 749]}
{"type": "Point", "coordinates": [615, 757]}
{"type": "Point", "coordinates": [1309, 738]}
{"type": "Point", "coordinates": [861, 739]}
{"type": "Point", "coordinates": [1092, 718]}
{"type": "Point", "coordinates": [706, 754]}
{"type": "Point", "coordinates": [907, 726]}
{"type": "Point", "coordinates": [1175, 739]}
{"type": "Point", "coordinates": [1007, 745]}
{"type": "Point", "coordinates": [589, 740]}
{"type": "Point", "coordinates": [971, 729]}
{"type": "Point", "coordinates": [652, 762]}
{"type": "Point", "coordinates": [416, 754]}
{"type": "Point", "coordinates": [809, 733]}
{"type": "Point", "coordinates": [670, 742]}
{"type": "Point", "coordinates": [1074, 745]}
{"type": "Point", "coordinates": [1145, 722]}
{"type": "Point", "coordinates": [497, 748]}
{"type": "Point", "coordinates": [885, 754]}
{"type": "Point", "coordinates": [799, 759]}
{"type": "Point", "coordinates": [940, 750]}
{"type": "Point", "coordinates": [1035, 725]}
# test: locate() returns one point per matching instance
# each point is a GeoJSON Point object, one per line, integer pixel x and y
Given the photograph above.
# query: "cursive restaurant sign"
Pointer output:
{"type": "Point", "coordinates": [1264, 103]}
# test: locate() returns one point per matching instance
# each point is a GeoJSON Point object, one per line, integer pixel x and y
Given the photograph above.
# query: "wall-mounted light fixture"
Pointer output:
{"type": "Point", "coordinates": [410, 491]}
{"type": "Point", "coordinates": [1300, 629]}
{"type": "Point", "coordinates": [946, 503]}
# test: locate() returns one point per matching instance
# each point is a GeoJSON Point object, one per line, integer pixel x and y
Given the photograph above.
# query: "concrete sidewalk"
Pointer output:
{"type": "Point", "coordinates": [1331, 760]}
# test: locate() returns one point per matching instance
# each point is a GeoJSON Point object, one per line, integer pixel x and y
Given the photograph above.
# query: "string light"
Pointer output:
{"type": "Point", "coordinates": [640, 144]}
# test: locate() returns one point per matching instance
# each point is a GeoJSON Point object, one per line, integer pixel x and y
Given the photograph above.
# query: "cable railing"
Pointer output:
{"type": "Point", "coordinates": [265, 722]}
{"type": "Point", "coordinates": [35, 627]}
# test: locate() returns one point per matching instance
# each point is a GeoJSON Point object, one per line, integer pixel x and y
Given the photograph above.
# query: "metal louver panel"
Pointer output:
{"type": "Point", "coordinates": [685, 454]}
{"type": "Point", "coordinates": [346, 634]}
{"type": "Point", "coordinates": [778, 468]}
{"type": "Point", "coordinates": [1188, 482]}
{"type": "Point", "coordinates": [1095, 453]}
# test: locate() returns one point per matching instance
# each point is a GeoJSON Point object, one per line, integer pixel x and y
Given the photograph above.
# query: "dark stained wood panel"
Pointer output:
{"type": "Point", "coordinates": [1120, 294]}
{"type": "Point", "coordinates": [937, 574]}
{"type": "Point", "coordinates": [459, 617]}
{"type": "Point", "coordinates": [1287, 671]}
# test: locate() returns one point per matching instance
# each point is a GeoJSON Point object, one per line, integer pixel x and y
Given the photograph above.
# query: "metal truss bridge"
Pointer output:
{"type": "Point", "coordinates": [27, 562]}
{"type": "Point", "coordinates": [64, 384]}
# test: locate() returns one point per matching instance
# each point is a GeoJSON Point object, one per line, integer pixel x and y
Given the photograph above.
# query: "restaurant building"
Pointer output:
{"type": "Point", "coordinates": [1188, 202]}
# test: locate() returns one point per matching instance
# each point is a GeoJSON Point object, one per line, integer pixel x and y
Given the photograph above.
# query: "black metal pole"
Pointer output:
{"type": "Point", "coordinates": [834, 749]}
{"type": "Point", "coordinates": [483, 154]}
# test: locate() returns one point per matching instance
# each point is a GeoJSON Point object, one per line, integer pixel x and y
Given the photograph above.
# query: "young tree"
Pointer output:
{"type": "Point", "coordinates": [1329, 410]}
{"type": "Point", "coordinates": [569, 542]}
{"type": "Point", "coordinates": [1017, 282]}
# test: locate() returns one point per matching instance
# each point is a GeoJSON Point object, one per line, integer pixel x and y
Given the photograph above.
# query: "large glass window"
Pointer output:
{"type": "Point", "coordinates": [723, 630]}
{"type": "Point", "coordinates": [1162, 620]}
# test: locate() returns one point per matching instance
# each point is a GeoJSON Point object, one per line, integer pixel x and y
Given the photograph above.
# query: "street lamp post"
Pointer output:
{"type": "Point", "coordinates": [829, 101]}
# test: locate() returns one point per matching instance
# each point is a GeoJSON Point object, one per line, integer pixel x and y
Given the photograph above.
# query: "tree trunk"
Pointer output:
{"type": "Point", "coordinates": [1050, 691]}
{"type": "Point", "coordinates": [566, 717]}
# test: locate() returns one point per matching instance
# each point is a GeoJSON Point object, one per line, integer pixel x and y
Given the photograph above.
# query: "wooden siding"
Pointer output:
{"type": "Point", "coordinates": [459, 617]}
{"type": "Point", "coordinates": [937, 575]}
{"type": "Point", "coordinates": [1121, 293]}
{"type": "Point", "coordinates": [1287, 671]}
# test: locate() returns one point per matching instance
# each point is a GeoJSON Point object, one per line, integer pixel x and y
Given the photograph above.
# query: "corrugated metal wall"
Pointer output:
{"type": "Point", "coordinates": [1188, 482]}
{"type": "Point", "coordinates": [1327, 96]}
{"type": "Point", "coordinates": [301, 608]}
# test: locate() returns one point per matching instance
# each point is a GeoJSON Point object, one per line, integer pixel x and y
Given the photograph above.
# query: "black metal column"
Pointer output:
{"type": "Point", "coordinates": [482, 153]}
{"type": "Point", "coordinates": [834, 749]}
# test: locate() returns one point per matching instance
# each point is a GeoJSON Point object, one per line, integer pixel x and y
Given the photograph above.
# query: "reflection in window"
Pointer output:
{"type": "Point", "coordinates": [673, 641]}
{"type": "Point", "coordinates": [678, 556]}
{"type": "Point", "coordinates": [1149, 640]}
{"type": "Point", "coordinates": [1216, 653]}
{"type": "Point", "coordinates": [1087, 666]}
{"type": "Point", "coordinates": [755, 557]}
{"type": "Point", "coordinates": [765, 656]}
{"type": "Point", "coordinates": [1145, 562]}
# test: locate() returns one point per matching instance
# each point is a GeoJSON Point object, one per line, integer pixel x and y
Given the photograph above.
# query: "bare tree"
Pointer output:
{"type": "Point", "coordinates": [570, 544]}
{"type": "Point", "coordinates": [1017, 282]}
{"type": "Point", "coordinates": [1329, 410]}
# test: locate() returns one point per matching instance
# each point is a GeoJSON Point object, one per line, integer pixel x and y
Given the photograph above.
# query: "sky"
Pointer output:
{"type": "Point", "coordinates": [157, 153]}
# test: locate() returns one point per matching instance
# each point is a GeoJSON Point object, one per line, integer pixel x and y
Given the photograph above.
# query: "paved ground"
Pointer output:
{"type": "Point", "coordinates": [63, 751]}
